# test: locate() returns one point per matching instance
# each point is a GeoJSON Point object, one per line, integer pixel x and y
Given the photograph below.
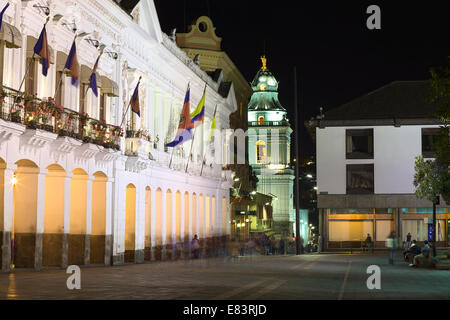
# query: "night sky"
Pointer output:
{"type": "Point", "coordinates": [337, 58]}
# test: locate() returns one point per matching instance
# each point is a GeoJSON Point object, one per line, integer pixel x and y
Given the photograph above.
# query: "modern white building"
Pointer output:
{"type": "Point", "coordinates": [269, 138]}
{"type": "Point", "coordinates": [366, 153]}
{"type": "Point", "coordinates": [72, 190]}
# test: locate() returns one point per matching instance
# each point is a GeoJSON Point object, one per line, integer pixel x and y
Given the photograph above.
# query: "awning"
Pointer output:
{"type": "Point", "coordinates": [11, 35]}
{"type": "Point", "coordinates": [109, 87]}
{"type": "Point", "coordinates": [31, 42]}
{"type": "Point", "coordinates": [86, 75]}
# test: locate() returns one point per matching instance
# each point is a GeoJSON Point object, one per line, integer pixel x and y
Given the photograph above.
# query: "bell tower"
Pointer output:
{"type": "Point", "coordinates": [269, 138]}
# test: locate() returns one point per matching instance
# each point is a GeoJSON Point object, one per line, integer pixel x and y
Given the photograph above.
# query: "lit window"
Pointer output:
{"type": "Point", "coordinates": [260, 152]}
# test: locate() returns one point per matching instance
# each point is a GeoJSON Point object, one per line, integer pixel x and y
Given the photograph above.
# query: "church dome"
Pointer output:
{"type": "Point", "coordinates": [265, 90]}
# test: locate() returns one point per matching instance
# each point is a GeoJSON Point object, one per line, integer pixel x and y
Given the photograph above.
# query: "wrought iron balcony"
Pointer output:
{"type": "Point", "coordinates": [46, 114]}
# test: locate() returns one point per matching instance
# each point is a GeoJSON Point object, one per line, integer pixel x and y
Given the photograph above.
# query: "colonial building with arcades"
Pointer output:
{"type": "Point", "coordinates": [74, 188]}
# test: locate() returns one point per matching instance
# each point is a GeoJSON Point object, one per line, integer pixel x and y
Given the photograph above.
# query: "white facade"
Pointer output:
{"type": "Point", "coordinates": [395, 149]}
{"type": "Point", "coordinates": [346, 219]}
{"type": "Point", "coordinates": [132, 199]}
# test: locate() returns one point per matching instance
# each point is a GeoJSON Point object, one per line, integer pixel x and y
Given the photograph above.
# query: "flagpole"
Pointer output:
{"type": "Point", "coordinates": [129, 104]}
{"type": "Point", "coordinates": [204, 154]}
{"type": "Point", "coordinates": [28, 68]}
{"type": "Point", "coordinates": [190, 152]}
{"type": "Point", "coordinates": [171, 156]}
{"type": "Point", "coordinates": [170, 162]}
{"type": "Point", "coordinates": [62, 76]}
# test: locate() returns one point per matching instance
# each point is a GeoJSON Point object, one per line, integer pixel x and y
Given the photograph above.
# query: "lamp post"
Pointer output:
{"type": "Point", "coordinates": [297, 188]}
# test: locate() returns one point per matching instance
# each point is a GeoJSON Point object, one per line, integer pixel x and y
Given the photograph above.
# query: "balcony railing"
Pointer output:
{"type": "Point", "coordinates": [46, 114]}
{"type": "Point", "coordinates": [281, 123]}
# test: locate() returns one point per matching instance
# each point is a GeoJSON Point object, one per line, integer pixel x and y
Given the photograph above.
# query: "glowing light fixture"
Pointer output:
{"type": "Point", "coordinates": [309, 176]}
{"type": "Point", "coordinates": [14, 180]}
{"type": "Point", "coordinates": [253, 192]}
{"type": "Point", "coordinates": [246, 220]}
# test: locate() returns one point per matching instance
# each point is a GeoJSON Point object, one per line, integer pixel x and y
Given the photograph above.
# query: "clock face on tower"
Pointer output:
{"type": "Point", "coordinates": [262, 87]}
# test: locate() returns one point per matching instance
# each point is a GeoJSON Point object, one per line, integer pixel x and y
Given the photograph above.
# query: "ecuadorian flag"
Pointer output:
{"type": "Point", "coordinates": [1, 15]}
{"type": "Point", "coordinates": [41, 49]}
{"type": "Point", "coordinates": [93, 78]}
{"type": "Point", "coordinates": [198, 115]}
{"type": "Point", "coordinates": [73, 66]}
{"type": "Point", "coordinates": [135, 100]}
{"type": "Point", "coordinates": [185, 125]}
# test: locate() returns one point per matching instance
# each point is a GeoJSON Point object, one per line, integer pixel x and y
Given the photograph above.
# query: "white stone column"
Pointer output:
{"type": "Point", "coordinates": [227, 201]}
{"type": "Point", "coordinates": [150, 106]}
{"type": "Point", "coordinates": [219, 219]}
{"type": "Point", "coordinates": [40, 200]}
{"type": "Point", "coordinates": [140, 223]}
{"type": "Point", "coordinates": [65, 249]}
{"type": "Point", "coordinates": [108, 222]}
{"type": "Point", "coordinates": [8, 205]}
{"type": "Point", "coordinates": [109, 202]}
{"type": "Point", "coordinates": [174, 223]}
{"type": "Point", "coordinates": [182, 223]}
{"type": "Point", "coordinates": [153, 221]}
{"type": "Point", "coordinates": [160, 119]}
{"type": "Point", "coordinates": [191, 217]}
{"type": "Point", "coordinates": [40, 211]}
{"type": "Point", "coordinates": [197, 218]}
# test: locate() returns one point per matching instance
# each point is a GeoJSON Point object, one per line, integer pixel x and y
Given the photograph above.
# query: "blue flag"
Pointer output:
{"type": "Point", "coordinates": [1, 15]}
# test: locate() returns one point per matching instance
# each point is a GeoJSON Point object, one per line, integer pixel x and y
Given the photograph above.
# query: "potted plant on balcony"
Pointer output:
{"type": "Point", "coordinates": [3, 95]}
{"type": "Point", "coordinates": [30, 120]}
{"type": "Point", "coordinates": [15, 114]}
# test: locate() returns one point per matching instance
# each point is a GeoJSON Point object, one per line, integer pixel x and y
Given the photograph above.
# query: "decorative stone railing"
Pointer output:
{"type": "Point", "coordinates": [183, 57]}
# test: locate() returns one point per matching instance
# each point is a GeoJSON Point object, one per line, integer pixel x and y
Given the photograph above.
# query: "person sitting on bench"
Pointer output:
{"type": "Point", "coordinates": [413, 251]}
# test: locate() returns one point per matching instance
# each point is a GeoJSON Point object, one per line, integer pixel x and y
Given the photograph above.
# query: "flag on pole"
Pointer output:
{"type": "Point", "coordinates": [185, 125]}
{"type": "Point", "coordinates": [1, 15]}
{"type": "Point", "coordinates": [41, 49]}
{"type": "Point", "coordinates": [73, 66]}
{"type": "Point", "coordinates": [135, 100]}
{"type": "Point", "coordinates": [213, 125]}
{"type": "Point", "coordinates": [93, 78]}
{"type": "Point", "coordinates": [198, 115]}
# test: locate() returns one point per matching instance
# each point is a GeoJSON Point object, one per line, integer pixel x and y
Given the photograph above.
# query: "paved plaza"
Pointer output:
{"type": "Point", "coordinates": [337, 276]}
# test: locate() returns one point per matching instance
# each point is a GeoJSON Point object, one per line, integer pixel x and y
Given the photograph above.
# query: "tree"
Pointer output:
{"type": "Point", "coordinates": [429, 185]}
{"type": "Point", "coordinates": [440, 95]}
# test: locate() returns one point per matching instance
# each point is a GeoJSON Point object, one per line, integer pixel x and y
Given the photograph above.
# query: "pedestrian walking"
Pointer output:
{"type": "Point", "coordinates": [234, 249]}
{"type": "Point", "coordinates": [282, 246]}
{"type": "Point", "coordinates": [195, 245]}
{"type": "Point", "coordinates": [392, 244]}
{"type": "Point", "coordinates": [408, 242]}
{"type": "Point", "coordinates": [369, 243]}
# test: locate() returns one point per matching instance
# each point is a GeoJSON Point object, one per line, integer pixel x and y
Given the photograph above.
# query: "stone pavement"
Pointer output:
{"type": "Point", "coordinates": [310, 276]}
